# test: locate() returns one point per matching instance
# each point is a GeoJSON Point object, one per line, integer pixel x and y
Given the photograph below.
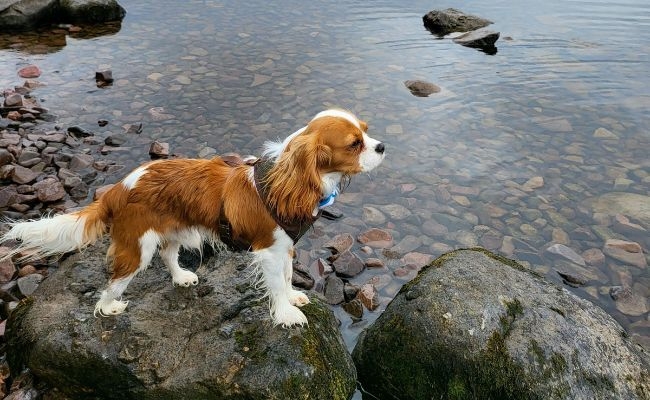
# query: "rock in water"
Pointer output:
{"type": "Point", "coordinates": [480, 39]}
{"type": "Point", "coordinates": [444, 22]}
{"type": "Point", "coordinates": [475, 325]}
{"type": "Point", "coordinates": [212, 341]}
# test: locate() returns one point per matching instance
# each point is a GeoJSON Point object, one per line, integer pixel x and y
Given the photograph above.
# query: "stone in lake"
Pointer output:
{"type": "Point", "coordinates": [481, 39]}
{"type": "Point", "coordinates": [159, 149]}
{"type": "Point", "coordinates": [627, 252]}
{"type": "Point", "coordinates": [444, 22]}
{"type": "Point", "coordinates": [348, 265]}
{"type": "Point", "coordinates": [30, 71]}
{"type": "Point", "coordinates": [421, 88]}
{"type": "Point", "coordinates": [211, 341]}
{"type": "Point", "coordinates": [632, 205]}
{"type": "Point", "coordinates": [377, 238]}
{"type": "Point", "coordinates": [566, 252]}
{"type": "Point", "coordinates": [477, 325]}
{"type": "Point", "coordinates": [14, 100]}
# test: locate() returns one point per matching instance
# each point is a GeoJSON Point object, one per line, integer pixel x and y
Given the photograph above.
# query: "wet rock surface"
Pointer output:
{"type": "Point", "coordinates": [21, 15]}
{"type": "Point", "coordinates": [152, 349]}
{"type": "Point", "coordinates": [444, 22]}
{"type": "Point", "coordinates": [485, 325]}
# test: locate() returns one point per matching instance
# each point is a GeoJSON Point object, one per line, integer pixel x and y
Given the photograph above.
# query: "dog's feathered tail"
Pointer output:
{"type": "Point", "coordinates": [57, 234]}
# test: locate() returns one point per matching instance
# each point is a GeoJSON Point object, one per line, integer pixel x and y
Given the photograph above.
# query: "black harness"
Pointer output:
{"type": "Point", "coordinates": [294, 229]}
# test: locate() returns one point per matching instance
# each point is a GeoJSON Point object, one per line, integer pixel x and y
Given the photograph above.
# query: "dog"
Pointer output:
{"type": "Point", "coordinates": [262, 206]}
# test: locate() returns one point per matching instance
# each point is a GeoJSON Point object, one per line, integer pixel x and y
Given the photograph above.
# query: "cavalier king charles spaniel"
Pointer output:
{"type": "Point", "coordinates": [262, 205]}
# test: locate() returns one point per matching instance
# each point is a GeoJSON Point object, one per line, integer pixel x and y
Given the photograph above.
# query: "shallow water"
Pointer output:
{"type": "Point", "coordinates": [211, 76]}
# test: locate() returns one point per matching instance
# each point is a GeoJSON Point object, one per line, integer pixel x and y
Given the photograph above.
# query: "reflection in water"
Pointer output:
{"type": "Point", "coordinates": [52, 40]}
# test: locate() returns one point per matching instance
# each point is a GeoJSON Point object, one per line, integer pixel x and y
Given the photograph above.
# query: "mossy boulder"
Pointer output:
{"type": "Point", "coordinates": [473, 325]}
{"type": "Point", "coordinates": [212, 341]}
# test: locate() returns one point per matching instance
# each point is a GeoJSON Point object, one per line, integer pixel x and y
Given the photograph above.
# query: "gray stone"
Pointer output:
{"type": "Point", "coordinates": [444, 22]}
{"type": "Point", "coordinates": [334, 293]}
{"type": "Point", "coordinates": [23, 175]}
{"type": "Point", "coordinates": [81, 161]}
{"type": "Point", "coordinates": [566, 252]}
{"type": "Point", "coordinates": [6, 157]}
{"type": "Point", "coordinates": [158, 348]}
{"type": "Point", "coordinates": [514, 335]}
{"type": "Point", "coordinates": [14, 100]}
{"type": "Point", "coordinates": [348, 265]}
{"type": "Point", "coordinates": [49, 190]}
{"type": "Point", "coordinates": [421, 88]}
{"type": "Point", "coordinates": [482, 39]}
{"type": "Point", "coordinates": [340, 243]}
{"type": "Point", "coordinates": [159, 149]}
{"type": "Point", "coordinates": [27, 285]}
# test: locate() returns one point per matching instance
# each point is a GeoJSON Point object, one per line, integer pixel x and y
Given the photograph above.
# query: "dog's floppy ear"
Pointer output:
{"type": "Point", "coordinates": [295, 181]}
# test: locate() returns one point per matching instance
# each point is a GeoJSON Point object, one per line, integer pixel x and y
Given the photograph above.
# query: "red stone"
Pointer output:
{"type": "Point", "coordinates": [30, 71]}
{"type": "Point", "coordinates": [377, 238]}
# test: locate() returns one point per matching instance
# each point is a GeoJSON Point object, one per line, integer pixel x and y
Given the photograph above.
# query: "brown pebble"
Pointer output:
{"type": "Point", "coordinates": [26, 270]}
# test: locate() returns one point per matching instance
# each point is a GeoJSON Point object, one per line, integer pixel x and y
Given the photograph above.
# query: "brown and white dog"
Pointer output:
{"type": "Point", "coordinates": [163, 205]}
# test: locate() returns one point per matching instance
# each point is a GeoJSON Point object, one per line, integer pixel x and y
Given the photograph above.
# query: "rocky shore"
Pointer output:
{"type": "Point", "coordinates": [47, 168]}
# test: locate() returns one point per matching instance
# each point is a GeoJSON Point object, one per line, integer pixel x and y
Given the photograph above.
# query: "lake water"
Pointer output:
{"type": "Point", "coordinates": [222, 76]}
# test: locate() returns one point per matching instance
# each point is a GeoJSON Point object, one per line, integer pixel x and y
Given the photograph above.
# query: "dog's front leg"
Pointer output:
{"type": "Point", "coordinates": [272, 262]}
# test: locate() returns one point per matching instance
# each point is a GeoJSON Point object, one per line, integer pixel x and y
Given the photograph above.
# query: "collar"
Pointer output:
{"type": "Point", "coordinates": [329, 200]}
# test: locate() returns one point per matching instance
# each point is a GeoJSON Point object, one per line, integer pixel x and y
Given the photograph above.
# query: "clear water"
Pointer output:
{"type": "Point", "coordinates": [227, 76]}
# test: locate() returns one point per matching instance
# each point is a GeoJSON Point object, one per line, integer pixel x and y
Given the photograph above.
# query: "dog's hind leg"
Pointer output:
{"type": "Point", "coordinates": [180, 276]}
{"type": "Point", "coordinates": [128, 260]}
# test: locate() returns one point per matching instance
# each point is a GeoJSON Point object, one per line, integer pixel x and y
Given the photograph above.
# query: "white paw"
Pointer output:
{"type": "Point", "coordinates": [185, 278]}
{"type": "Point", "coordinates": [298, 298]}
{"type": "Point", "coordinates": [289, 316]}
{"type": "Point", "coordinates": [114, 307]}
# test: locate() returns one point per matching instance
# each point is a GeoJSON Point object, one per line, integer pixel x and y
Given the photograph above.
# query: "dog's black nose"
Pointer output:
{"type": "Point", "coordinates": [380, 148]}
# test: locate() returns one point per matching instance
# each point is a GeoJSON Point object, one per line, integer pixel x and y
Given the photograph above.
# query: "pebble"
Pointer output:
{"type": "Point", "coordinates": [374, 263]}
{"type": "Point", "coordinates": [421, 88]}
{"type": "Point", "coordinates": [377, 238]}
{"type": "Point", "coordinates": [594, 257]}
{"type": "Point", "coordinates": [28, 284]}
{"type": "Point", "coordinates": [629, 253]}
{"type": "Point", "coordinates": [629, 302]}
{"type": "Point", "coordinates": [369, 296]}
{"type": "Point", "coordinates": [565, 252]}
{"type": "Point", "coordinates": [49, 190]}
{"type": "Point", "coordinates": [7, 270]}
{"type": "Point", "coordinates": [159, 150]}
{"type": "Point", "coordinates": [29, 71]}
{"type": "Point", "coordinates": [354, 308]}
{"type": "Point", "coordinates": [340, 243]}
{"type": "Point", "coordinates": [334, 290]}
{"type": "Point", "coordinates": [348, 265]}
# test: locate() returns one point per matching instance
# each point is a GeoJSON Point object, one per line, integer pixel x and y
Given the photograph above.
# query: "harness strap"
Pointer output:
{"type": "Point", "coordinates": [295, 229]}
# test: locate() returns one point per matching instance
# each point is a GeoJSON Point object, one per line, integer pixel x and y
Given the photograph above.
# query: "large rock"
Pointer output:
{"type": "Point", "coordinates": [484, 327]}
{"type": "Point", "coordinates": [212, 341]}
{"type": "Point", "coordinates": [444, 22]}
{"type": "Point", "coordinates": [92, 11]}
{"type": "Point", "coordinates": [18, 15]}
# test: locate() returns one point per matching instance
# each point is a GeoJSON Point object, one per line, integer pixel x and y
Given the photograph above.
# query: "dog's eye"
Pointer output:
{"type": "Point", "coordinates": [356, 144]}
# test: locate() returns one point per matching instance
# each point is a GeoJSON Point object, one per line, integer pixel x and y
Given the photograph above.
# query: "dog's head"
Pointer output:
{"type": "Point", "coordinates": [335, 144]}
